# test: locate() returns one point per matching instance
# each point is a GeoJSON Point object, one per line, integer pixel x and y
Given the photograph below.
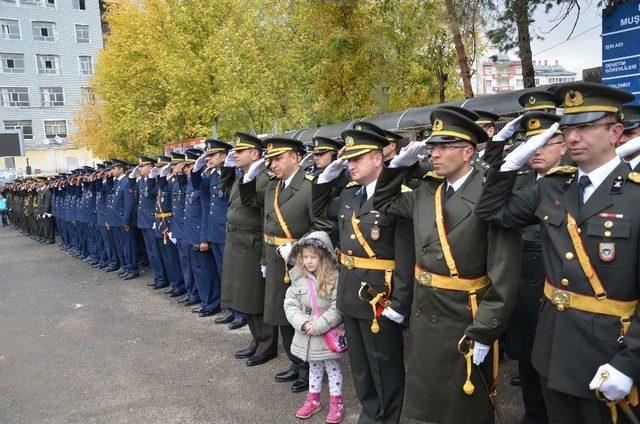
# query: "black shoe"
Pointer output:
{"type": "Point", "coordinates": [184, 299]}
{"type": "Point", "coordinates": [197, 310]}
{"type": "Point", "coordinates": [177, 293]}
{"type": "Point", "coordinates": [259, 360]}
{"type": "Point", "coordinates": [151, 284]}
{"type": "Point", "coordinates": [237, 323]}
{"type": "Point", "coordinates": [121, 272]}
{"type": "Point", "coordinates": [169, 290]}
{"type": "Point", "coordinates": [95, 264]}
{"type": "Point", "coordinates": [131, 276]}
{"type": "Point", "coordinates": [288, 375]}
{"type": "Point", "coordinates": [224, 319]}
{"type": "Point", "coordinates": [191, 302]}
{"type": "Point", "coordinates": [110, 268]}
{"type": "Point", "coordinates": [515, 381]}
{"type": "Point", "coordinates": [300, 385]}
{"type": "Point", "coordinates": [49, 242]}
{"type": "Point", "coordinates": [205, 314]}
{"type": "Point", "coordinates": [244, 353]}
{"type": "Point", "coordinates": [161, 286]}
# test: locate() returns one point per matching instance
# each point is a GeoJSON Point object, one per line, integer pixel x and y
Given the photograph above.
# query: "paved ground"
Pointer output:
{"type": "Point", "coordinates": [78, 345]}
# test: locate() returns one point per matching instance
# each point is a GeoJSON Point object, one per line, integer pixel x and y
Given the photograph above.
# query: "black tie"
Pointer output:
{"type": "Point", "coordinates": [448, 193]}
{"type": "Point", "coordinates": [583, 183]}
{"type": "Point", "coordinates": [362, 195]}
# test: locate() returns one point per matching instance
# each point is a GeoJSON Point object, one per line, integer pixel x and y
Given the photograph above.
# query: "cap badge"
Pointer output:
{"type": "Point", "coordinates": [438, 125]}
{"type": "Point", "coordinates": [573, 98]}
{"type": "Point", "coordinates": [270, 146]}
{"type": "Point", "coordinates": [532, 100]}
{"type": "Point", "coordinates": [534, 124]}
{"type": "Point", "coordinates": [349, 141]}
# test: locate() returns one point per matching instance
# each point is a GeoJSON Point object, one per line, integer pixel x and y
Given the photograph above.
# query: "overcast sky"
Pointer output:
{"type": "Point", "coordinates": [583, 51]}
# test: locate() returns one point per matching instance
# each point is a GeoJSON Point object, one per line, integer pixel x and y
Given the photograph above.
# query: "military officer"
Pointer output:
{"type": "Point", "coordinates": [393, 138]}
{"type": "Point", "coordinates": [631, 122]}
{"type": "Point", "coordinates": [539, 101]}
{"type": "Point", "coordinates": [588, 333]}
{"type": "Point", "coordinates": [464, 284]}
{"type": "Point", "coordinates": [243, 284]}
{"type": "Point", "coordinates": [287, 217]}
{"type": "Point", "coordinates": [131, 250]}
{"type": "Point", "coordinates": [375, 254]}
{"type": "Point", "coordinates": [116, 185]}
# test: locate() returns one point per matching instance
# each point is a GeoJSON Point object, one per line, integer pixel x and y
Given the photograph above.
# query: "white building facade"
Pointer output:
{"type": "Point", "coordinates": [48, 51]}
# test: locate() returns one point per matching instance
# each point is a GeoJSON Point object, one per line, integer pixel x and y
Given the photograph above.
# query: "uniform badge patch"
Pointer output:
{"type": "Point", "coordinates": [607, 251]}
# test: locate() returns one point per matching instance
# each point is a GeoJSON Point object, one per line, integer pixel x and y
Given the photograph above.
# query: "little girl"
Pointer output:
{"type": "Point", "coordinates": [314, 258]}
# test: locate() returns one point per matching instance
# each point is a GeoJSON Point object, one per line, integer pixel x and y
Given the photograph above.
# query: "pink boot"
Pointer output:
{"type": "Point", "coordinates": [335, 410]}
{"type": "Point", "coordinates": [310, 406]}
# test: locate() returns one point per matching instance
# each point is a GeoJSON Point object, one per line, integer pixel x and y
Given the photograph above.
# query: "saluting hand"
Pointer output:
{"type": "Point", "coordinates": [332, 171]}
{"type": "Point", "coordinates": [307, 161]}
{"type": "Point", "coordinates": [508, 130]}
{"type": "Point", "coordinates": [521, 155]}
{"type": "Point", "coordinates": [253, 171]}
{"type": "Point", "coordinates": [165, 170]}
{"type": "Point", "coordinates": [409, 154]}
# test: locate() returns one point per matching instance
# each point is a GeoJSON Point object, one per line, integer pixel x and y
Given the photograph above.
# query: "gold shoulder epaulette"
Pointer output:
{"type": "Point", "coordinates": [405, 189]}
{"type": "Point", "coordinates": [565, 169]}
{"type": "Point", "coordinates": [270, 174]}
{"type": "Point", "coordinates": [634, 177]}
{"type": "Point", "coordinates": [309, 177]}
{"type": "Point", "coordinates": [432, 174]}
{"type": "Point", "coordinates": [524, 172]}
{"type": "Point", "coordinates": [352, 184]}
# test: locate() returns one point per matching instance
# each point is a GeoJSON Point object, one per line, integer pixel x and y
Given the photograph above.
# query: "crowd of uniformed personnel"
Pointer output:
{"type": "Point", "coordinates": [464, 239]}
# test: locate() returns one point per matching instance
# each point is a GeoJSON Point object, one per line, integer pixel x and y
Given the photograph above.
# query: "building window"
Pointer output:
{"type": "Point", "coordinates": [8, 1]}
{"type": "Point", "coordinates": [519, 70]}
{"type": "Point", "coordinates": [12, 63]}
{"type": "Point", "coordinates": [48, 64]}
{"type": "Point", "coordinates": [53, 129]}
{"type": "Point", "coordinates": [51, 96]}
{"type": "Point", "coordinates": [79, 4]}
{"type": "Point", "coordinates": [15, 96]}
{"type": "Point", "coordinates": [44, 31]}
{"type": "Point", "coordinates": [86, 65]}
{"type": "Point", "coordinates": [519, 83]}
{"type": "Point", "coordinates": [25, 126]}
{"type": "Point", "coordinates": [9, 29]}
{"type": "Point", "coordinates": [487, 84]}
{"type": "Point", "coordinates": [82, 33]}
{"type": "Point", "coordinates": [39, 3]}
{"type": "Point", "coordinates": [88, 96]}
{"type": "Point", "coordinates": [537, 81]}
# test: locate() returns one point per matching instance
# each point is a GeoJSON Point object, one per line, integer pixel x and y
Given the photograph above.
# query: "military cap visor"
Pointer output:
{"type": "Point", "coordinates": [163, 160]}
{"type": "Point", "coordinates": [217, 146]}
{"type": "Point", "coordinates": [275, 146]}
{"type": "Point", "coordinates": [535, 122]}
{"type": "Point", "coordinates": [486, 118]}
{"type": "Point", "coordinates": [177, 157]}
{"type": "Point", "coordinates": [190, 155]}
{"type": "Point", "coordinates": [539, 100]}
{"type": "Point", "coordinates": [631, 117]}
{"type": "Point", "coordinates": [244, 141]}
{"type": "Point", "coordinates": [585, 102]}
{"type": "Point", "coordinates": [358, 143]}
{"type": "Point", "coordinates": [368, 126]}
{"type": "Point", "coordinates": [449, 127]}
{"type": "Point", "coordinates": [467, 113]}
{"type": "Point", "coordinates": [145, 160]}
{"type": "Point", "coordinates": [324, 144]}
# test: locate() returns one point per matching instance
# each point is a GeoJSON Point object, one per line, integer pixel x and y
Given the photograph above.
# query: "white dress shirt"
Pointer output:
{"type": "Point", "coordinates": [458, 183]}
{"type": "Point", "coordinates": [597, 176]}
{"type": "Point", "coordinates": [288, 180]}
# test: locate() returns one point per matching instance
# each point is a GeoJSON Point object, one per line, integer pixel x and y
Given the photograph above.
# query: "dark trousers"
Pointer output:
{"type": "Point", "coordinates": [264, 336]}
{"type": "Point", "coordinates": [130, 250]}
{"type": "Point", "coordinates": [118, 243]}
{"type": "Point", "coordinates": [4, 218]}
{"type": "Point", "coordinates": [153, 253]}
{"type": "Point", "coordinates": [217, 249]}
{"type": "Point", "coordinates": [187, 271]}
{"type": "Point", "coordinates": [110, 246]}
{"type": "Point", "coordinates": [171, 263]}
{"type": "Point", "coordinates": [297, 364]}
{"type": "Point", "coordinates": [567, 409]}
{"type": "Point", "coordinates": [206, 278]}
{"type": "Point", "coordinates": [377, 367]}
{"type": "Point", "coordinates": [535, 411]}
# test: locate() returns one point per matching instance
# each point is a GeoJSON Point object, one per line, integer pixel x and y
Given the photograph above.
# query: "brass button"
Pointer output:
{"type": "Point", "coordinates": [546, 217]}
{"type": "Point", "coordinates": [418, 312]}
{"type": "Point", "coordinates": [341, 216]}
{"type": "Point", "coordinates": [608, 224]}
{"type": "Point", "coordinates": [579, 230]}
{"type": "Point", "coordinates": [607, 233]}
{"type": "Point", "coordinates": [353, 236]}
{"type": "Point", "coordinates": [568, 256]}
{"type": "Point", "coordinates": [556, 202]}
{"type": "Point", "coordinates": [564, 282]}
{"type": "Point", "coordinates": [560, 308]}
{"type": "Point", "coordinates": [350, 252]}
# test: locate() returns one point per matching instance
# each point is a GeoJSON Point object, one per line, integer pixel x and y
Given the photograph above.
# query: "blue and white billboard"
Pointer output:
{"type": "Point", "coordinates": [621, 47]}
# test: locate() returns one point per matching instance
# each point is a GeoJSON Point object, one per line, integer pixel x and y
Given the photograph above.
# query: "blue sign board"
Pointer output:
{"type": "Point", "coordinates": [621, 47]}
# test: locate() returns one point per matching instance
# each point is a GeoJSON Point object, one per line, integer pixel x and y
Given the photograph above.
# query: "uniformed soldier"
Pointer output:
{"type": "Point", "coordinates": [539, 101]}
{"type": "Point", "coordinates": [587, 341]}
{"type": "Point", "coordinates": [243, 283]}
{"type": "Point", "coordinates": [393, 138]}
{"type": "Point", "coordinates": [466, 286]}
{"type": "Point", "coordinates": [131, 250]}
{"type": "Point", "coordinates": [205, 274]}
{"type": "Point", "coordinates": [631, 122]}
{"type": "Point", "coordinates": [522, 327]}
{"type": "Point", "coordinates": [288, 216]}
{"type": "Point", "coordinates": [116, 186]}
{"type": "Point", "coordinates": [376, 260]}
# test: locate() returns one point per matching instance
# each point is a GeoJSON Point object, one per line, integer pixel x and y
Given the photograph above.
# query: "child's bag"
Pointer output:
{"type": "Point", "coordinates": [335, 338]}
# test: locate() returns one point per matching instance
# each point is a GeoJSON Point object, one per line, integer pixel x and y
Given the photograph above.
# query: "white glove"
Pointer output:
{"type": "Point", "coordinates": [173, 240]}
{"type": "Point", "coordinates": [629, 148]}
{"type": "Point", "coordinates": [479, 352]}
{"type": "Point", "coordinates": [508, 130]}
{"type": "Point", "coordinates": [230, 161]}
{"type": "Point", "coordinates": [409, 154]}
{"type": "Point", "coordinates": [306, 161]}
{"type": "Point", "coordinates": [164, 171]}
{"type": "Point", "coordinates": [615, 386]}
{"type": "Point", "coordinates": [253, 171]}
{"type": "Point", "coordinates": [200, 162]}
{"type": "Point", "coordinates": [153, 173]}
{"type": "Point", "coordinates": [135, 172]}
{"type": "Point", "coordinates": [263, 271]}
{"type": "Point", "coordinates": [521, 155]}
{"type": "Point", "coordinates": [392, 315]}
{"type": "Point", "coordinates": [284, 250]}
{"type": "Point", "coordinates": [47, 215]}
{"type": "Point", "coordinates": [332, 171]}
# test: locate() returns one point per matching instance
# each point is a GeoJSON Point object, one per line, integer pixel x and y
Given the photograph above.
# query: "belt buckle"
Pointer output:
{"type": "Point", "coordinates": [271, 240]}
{"type": "Point", "coordinates": [424, 278]}
{"type": "Point", "coordinates": [348, 261]}
{"type": "Point", "coordinates": [561, 299]}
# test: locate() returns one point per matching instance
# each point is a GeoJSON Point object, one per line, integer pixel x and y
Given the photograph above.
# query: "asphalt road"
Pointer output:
{"type": "Point", "coordinates": [78, 345]}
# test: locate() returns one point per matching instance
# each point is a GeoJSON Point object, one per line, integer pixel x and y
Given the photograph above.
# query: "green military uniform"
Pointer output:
{"type": "Point", "coordinates": [376, 250]}
{"type": "Point", "coordinates": [578, 329]}
{"type": "Point", "coordinates": [631, 122]}
{"type": "Point", "coordinates": [480, 272]}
